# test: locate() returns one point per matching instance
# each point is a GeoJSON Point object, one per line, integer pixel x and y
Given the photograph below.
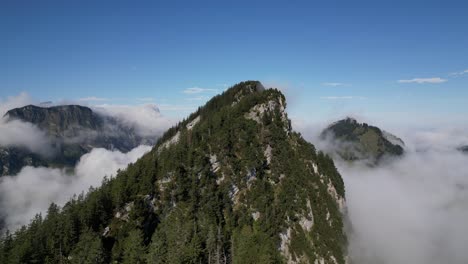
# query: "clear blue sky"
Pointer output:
{"type": "Point", "coordinates": [331, 56]}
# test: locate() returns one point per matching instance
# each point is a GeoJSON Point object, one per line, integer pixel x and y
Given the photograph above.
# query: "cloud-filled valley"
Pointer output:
{"type": "Point", "coordinates": [411, 209]}
{"type": "Point", "coordinates": [31, 191]}
{"type": "Point", "coordinates": [408, 210]}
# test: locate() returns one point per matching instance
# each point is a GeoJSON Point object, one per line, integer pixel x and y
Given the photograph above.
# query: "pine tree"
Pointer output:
{"type": "Point", "coordinates": [88, 249]}
{"type": "Point", "coordinates": [134, 251]}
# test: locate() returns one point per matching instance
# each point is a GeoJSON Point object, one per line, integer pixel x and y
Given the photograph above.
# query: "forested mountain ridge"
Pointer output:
{"type": "Point", "coordinates": [352, 141]}
{"type": "Point", "coordinates": [73, 130]}
{"type": "Point", "coordinates": [230, 184]}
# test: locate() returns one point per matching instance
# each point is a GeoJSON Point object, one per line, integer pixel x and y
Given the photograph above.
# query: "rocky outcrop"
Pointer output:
{"type": "Point", "coordinates": [232, 183]}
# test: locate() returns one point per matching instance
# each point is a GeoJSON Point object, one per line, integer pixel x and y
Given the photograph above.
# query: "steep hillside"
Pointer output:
{"type": "Point", "coordinates": [63, 120]}
{"type": "Point", "coordinates": [73, 130]}
{"type": "Point", "coordinates": [352, 140]}
{"type": "Point", "coordinates": [230, 184]}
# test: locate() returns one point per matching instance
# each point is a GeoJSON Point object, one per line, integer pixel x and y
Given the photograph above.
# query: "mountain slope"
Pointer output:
{"type": "Point", "coordinates": [230, 184]}
{"type": "Point", "coordinates": [58, 120]}
{"type": "Point", "coordinates": [73, 131]}
{"type": "Point", "coordinates": [352, 140]}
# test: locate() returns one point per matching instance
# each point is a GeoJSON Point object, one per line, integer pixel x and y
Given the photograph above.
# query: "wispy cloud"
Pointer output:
{"type": "Point", "coordinates": [334, 84]}
{"type": "Point", "coordinates": [197, 98]}
{"type": "Point", "coordinates": [177, 108]}
{"type": "Point", "coordinates": [197, 90]}
{"type": "Point", "coordinates": [459, 73]}
{"type": "Point", "coordinates": [424, 80]}
{"type": "Point", "coordinates": [93, 99]}
{"type": "Point", "coordinates": [145, 99]}
{"type": "Point", "coordinates": [343, 97]}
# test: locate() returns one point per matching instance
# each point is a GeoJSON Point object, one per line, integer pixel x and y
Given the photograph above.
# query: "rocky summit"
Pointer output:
{"type": "Point", "coordinates": [232, 183]}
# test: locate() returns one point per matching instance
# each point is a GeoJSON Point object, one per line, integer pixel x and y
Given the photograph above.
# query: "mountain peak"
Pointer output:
{"type": "Point", "coordinates": [56, 118]}
{"type": "Point", "coordinates": [352, 140]}
{"type": "Point", "coordinates": [232, 183]}
{"type": "Point", "coordinates": [73, 130]}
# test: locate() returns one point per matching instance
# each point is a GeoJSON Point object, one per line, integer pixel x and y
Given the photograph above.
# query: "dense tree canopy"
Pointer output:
{"type": "Point", "coordinates": [223, 192]}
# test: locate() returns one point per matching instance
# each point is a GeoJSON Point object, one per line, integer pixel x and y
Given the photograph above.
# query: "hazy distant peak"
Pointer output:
{"type": "Point", "coordinates": [352, 140]}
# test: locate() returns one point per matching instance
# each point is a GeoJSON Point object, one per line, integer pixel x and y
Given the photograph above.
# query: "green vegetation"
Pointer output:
{"type": "Point", "coordinates": [356, 141]}
{"type": "Point", "coordinates": [217, 194]}
{"type": "Point", "coordinates": [73, 131]}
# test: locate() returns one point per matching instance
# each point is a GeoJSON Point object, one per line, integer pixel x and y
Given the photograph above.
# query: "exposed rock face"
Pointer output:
{"type": "Point", "coordinates": [64, 120]}
{"type": "Point", "coordinates": [264, 152]}
{"type": "Point", "coordinates": [73, 130]}
{"type": "Point", "coordinates": [352, 140]}
{"type": "Point", "coordinates": [13, 159]}
{"type": "Point", "coordinates": [233, 183]}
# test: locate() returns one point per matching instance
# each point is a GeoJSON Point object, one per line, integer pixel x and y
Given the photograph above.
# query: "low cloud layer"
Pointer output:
{"type": "Point", "coordinates": [145, 119]}
{"type": "Point", "coordinates": [409, 210]}
{"type": "Point", "coordinates": [412, 210]}
{"type": "Point", "coordinates": [33, 189]}
{"type": "Point", "coordinates": [21, 134]}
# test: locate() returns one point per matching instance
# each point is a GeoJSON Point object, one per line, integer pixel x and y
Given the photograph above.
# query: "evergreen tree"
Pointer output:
{"type": "Point", "coordinates": [88, 250]}
{"type": "Point", "coordinates": [133, 249]}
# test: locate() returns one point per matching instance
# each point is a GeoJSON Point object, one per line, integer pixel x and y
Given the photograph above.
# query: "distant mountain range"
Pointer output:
{"type": "Point", "coordinates": [352, 141]}
{"type": "Point", "coordinates": [73, 131]}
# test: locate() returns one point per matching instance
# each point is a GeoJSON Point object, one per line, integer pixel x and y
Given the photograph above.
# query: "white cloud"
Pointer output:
{"type": "Point", "coordinates": [196, 90]}
{"type": "Point", "coordinates": [459, 73]}
{"type": "Point", "coordinates": [343, 97]}
{"type": "Point", "coordinates": [33, 189]}
{"type": "Point", "coordinates": [18, 133]}
{"type": "Point", "coordinates": [146, 119]}
{"type": "Point", "coordinates": [424, 80]}
{"type": "Point", "coordinates": [93, 99]}
{"type": "Point", "coordinates": [334, 84]}
{"type": "Point", "coordinates": [410, 210]}
{"type": "Point", "coordinates": [14, 102]}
